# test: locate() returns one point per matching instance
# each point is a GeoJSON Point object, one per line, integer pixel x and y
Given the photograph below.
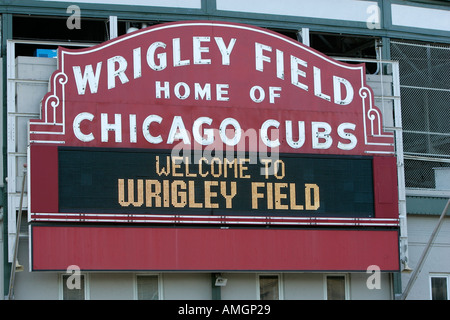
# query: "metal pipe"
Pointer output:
{"type": "Point", "coordinates": [425, 253]}
{"type": "Point", "coordinates": [16, 247]}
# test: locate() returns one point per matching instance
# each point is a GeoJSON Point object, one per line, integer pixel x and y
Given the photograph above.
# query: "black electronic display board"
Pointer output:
{"type": "Point", "coordinates": [100, 180]}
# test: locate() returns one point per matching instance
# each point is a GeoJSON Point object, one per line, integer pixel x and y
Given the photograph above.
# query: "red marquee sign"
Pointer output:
{"type": "Point", "coordinates": [186, 84]}
{"type": "Point", "coordinates": [208, 87]}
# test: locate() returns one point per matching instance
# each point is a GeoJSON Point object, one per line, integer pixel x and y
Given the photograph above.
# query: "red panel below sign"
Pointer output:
{"type": "Point", "coordinates": [205, 249]}
{"type": "Point", "coordinates": [44, 178]}
{"type": "Point", "coordinates": [385, 187]}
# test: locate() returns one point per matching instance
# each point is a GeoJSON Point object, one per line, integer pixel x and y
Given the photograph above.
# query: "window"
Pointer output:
{"type": "Point", "coordinates": [269, 287]}
{"type": "Point", "coordinates": [73, 287]}
{"type": "Point", "coordinates": [147, 287]}
{"type": "Point", "coordinates": [336, 287]}
{"type": "Point", "coordinates": [439, 287]}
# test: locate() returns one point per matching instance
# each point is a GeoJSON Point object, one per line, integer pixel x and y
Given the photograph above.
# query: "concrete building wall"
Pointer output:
{"type": "Point", "coordinates": [181, 286]}
{"type": "Point", "coordinates": [420, 228]}
{"type": "Point", "coordinates": [111, 286]}
{"type": "Point", "coordinates": [31, 286]}
{"type": "Point", "coordinates": [239, 286]}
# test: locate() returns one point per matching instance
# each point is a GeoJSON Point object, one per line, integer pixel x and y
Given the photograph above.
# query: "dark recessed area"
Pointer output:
{"type": "Point", "coordinates": [55, 28]}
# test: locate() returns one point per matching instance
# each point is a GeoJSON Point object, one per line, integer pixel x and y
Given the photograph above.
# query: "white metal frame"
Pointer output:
{"type": "Point", "coordinates": [160, 284]}
{"type": "Point", "coordinates": [113, 30]}
{"type": "Point", "coordinates": [398, 127]}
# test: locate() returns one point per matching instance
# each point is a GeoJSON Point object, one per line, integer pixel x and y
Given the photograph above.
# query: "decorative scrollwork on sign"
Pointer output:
{"type": "Point", "coordinates": [52, 120]}
{"type": "Point", "coordinates": [373, 127]}
{"type": "Point", "coordinates": [55, 100]}
{"type": "Point", "coordinates": [374, 117]}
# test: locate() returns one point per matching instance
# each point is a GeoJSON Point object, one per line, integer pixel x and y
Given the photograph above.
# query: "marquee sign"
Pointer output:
{"type": "Point", "coordinates": [210, 123]}
{"type": "Point", "coordinates": [187, 84]}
